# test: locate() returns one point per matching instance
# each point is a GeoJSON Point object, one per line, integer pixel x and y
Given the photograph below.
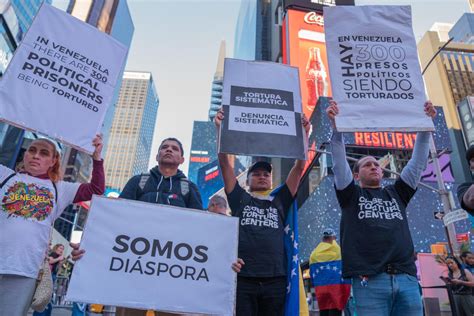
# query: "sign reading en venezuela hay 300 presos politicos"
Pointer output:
{"type": "Point", "coordinates": [62, 78]}
{"type": "Point", "coordinates": [374, 67]}
{"type": "Point", "coordinates": [159, 257]}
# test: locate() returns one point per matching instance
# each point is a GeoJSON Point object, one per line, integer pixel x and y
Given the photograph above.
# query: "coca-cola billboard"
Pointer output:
{"type": "Point", "coordinates": [314, 5]}
{"type": "Point", "coordinates": [304, 47]}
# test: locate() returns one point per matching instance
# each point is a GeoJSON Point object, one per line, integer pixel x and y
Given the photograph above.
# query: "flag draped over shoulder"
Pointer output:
{"type": "Point", "coordinates": [332, 291]}
{"type": "Point", "coordinates": [295, 302]}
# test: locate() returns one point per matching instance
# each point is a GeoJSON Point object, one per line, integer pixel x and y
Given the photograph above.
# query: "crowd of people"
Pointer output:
{"type": "Point", "coordinates": [376, 246]}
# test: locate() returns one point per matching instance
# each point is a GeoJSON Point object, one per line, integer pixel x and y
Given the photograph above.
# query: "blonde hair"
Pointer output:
{"type": "Point", "coordinates": [54, 173]}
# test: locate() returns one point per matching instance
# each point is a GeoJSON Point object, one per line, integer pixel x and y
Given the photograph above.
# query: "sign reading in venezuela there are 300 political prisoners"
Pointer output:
{"type": "Point", "coordinates": [61, 79]}
{"type": "Point", "coordinates": [262, 106]}
{"type": "Point", "coordinates": [159, 257]}
{"type": "Point", "coordinates": [374, 69]}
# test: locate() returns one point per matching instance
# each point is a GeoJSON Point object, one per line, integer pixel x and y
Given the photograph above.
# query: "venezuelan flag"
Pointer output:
{"type": "Point", "coordinates": [332, 291]}
{"type": "Point", "coordinates": [295, 302]}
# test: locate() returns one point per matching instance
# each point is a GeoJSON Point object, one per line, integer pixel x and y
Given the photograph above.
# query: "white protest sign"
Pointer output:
{"type": "Point", "coordinates": [374, 69]}
{"type": "Point", "coordinates": [158, 257]}
{"type": "Point", "coordinates": [454, 216]}
{"type": "Point", "coordinates": [61, 79]}
{"type": "Point", "coordinates": [262, 106]}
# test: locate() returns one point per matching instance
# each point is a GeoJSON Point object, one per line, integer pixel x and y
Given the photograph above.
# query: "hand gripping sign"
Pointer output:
{"type": "Point", "coordinates": [374, 69]}
{"type": "Point", "coordinates": [158, 257]}
{"type": "Point", "coordinates": [61, 79]}
{"type": "Point", "coordinates": [262, 106]}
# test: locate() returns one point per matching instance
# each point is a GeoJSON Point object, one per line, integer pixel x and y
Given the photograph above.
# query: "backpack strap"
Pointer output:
{"type": "Point", "coordinates": [143, 180]}
{"type": "Point", "coordinates": [141, 184]}
{"type": "Point", "coordinates": [55, 192]}
{"type": "Point", "coordinates": [6, 179]}
{"type": "Point", "coordinates": [184, 184]}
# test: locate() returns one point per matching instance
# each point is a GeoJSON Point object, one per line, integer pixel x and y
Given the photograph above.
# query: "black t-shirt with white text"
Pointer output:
{"type": "Point", "coordinates": [261, 231]}
{"type": "Point", "coordinates": [374, 229]}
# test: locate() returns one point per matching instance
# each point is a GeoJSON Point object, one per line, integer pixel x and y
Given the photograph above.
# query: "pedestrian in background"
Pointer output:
{"type": "Point", "coordinates": [461, 282]}
{"type": "Point", "coordinates": [218, 205]}
{"type": "Point", "coordinates": [332, 291]}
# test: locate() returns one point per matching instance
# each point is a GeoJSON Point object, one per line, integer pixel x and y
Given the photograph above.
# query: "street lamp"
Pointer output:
{"type": "Point", "coordinates": [444, 194]}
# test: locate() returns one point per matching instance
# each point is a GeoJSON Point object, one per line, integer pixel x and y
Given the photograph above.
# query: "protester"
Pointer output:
{"type": "Point", "coordinates": [31, 200]}
{"type": "Point", "coordinates": [261, 283]}
{"type": "Point", "coordinates": [218, 205]}
{"type": "Point", "coordinates": [165, 184]}
{"type": "Point", "coordinates": [461, 282]}
{"type": "Point", "coordinates": [467, 258]}
{"type": "Point", "coordinates": [332, 293]}
{"type": "Point", "coordinates": [466, 190]}
{"type": "Point", "coordinates": [377, 248]}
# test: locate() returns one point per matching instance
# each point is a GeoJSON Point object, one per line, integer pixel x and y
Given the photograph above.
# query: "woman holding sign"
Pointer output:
{"type": "Point", "coordinates": [31, 199]}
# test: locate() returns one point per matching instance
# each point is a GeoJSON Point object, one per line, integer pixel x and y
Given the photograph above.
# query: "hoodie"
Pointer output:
{"type": "Point", "coordinates": [176, 190]}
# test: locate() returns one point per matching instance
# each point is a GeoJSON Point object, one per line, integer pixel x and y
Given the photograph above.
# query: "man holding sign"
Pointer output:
{"type": "Point", "coordinates": [261, 283]}
{"type": "Point", "coordinates": [377, 249]}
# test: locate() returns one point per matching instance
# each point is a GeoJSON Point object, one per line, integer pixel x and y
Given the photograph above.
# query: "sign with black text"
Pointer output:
{"type": "Point", "coordinates": [374, 69]}
{"type": "Point", "coordinates": [159, 257]}
{"type": "Point", "coordinates": [262, 106]}
{"type": "Point", "coordinates": [61, 79]}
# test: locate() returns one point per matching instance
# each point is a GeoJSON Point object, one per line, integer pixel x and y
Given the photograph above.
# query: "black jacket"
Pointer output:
{"type": "Point", "coordinates": [176, 190]}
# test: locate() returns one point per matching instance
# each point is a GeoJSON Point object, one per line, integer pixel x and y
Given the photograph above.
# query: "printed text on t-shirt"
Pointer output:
{"type": "Point", "coordinates": [255, 216]}
{"type": "Point", "coordinates": [379, 209]}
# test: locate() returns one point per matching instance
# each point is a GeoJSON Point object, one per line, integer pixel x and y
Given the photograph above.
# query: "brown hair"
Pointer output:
{"type": "Point", "coordinates": [56, 247]}
{"type": "Point", "coordinates": [54, 173]}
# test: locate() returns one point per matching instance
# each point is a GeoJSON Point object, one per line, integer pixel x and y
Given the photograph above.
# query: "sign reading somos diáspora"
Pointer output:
{"type": "Point", "coordinates": [158, 257]}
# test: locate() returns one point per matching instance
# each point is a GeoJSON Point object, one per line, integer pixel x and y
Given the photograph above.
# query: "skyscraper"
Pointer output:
{"type": "Point", "coordinates": [132, 129]}
{"type": "Point", "coordinates": [203, 147]}
{"type": "Point", "coordinates": [216, 93]}
{"type": "Point", "coordinates": [463, 30]}
{"type": "Point", "coordinates": [252, 32]}
{"type": "Point", "coordinates": [26, 10]}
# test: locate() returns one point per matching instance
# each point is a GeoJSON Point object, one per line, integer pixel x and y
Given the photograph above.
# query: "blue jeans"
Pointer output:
{"type": "Point", "coordinates": [388, 295]}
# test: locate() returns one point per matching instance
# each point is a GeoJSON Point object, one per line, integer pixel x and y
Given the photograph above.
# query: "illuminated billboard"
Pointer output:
{"type": "Point", "coordinates": [209, 181]}
{"type": "Point", "coordinates": [304, 47]}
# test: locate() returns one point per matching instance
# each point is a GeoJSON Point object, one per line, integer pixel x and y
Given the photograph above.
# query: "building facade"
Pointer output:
{"type": "Point", "coordinates": [203, 147]}
{"type": "Point", "coordinates": [132, 129]}
{"type": "Point", "coordinates": [463, 30]}
{"type": "Point", "coordinates": [449, 79]}
{"type": "Point", "coordinates": [25, 11]}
